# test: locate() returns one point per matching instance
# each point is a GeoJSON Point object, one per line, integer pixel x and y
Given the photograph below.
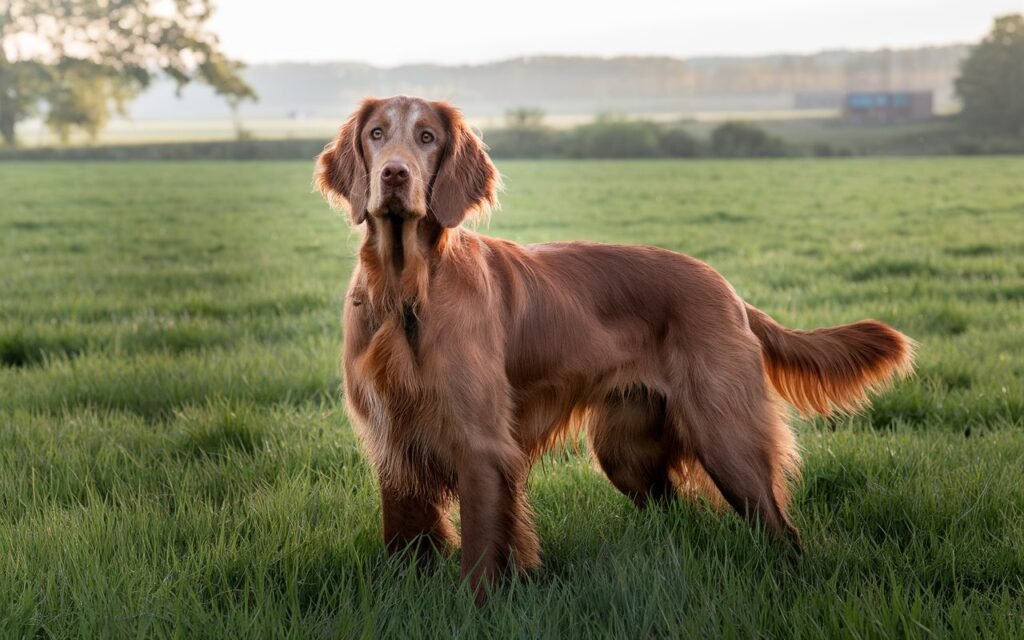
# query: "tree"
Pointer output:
{"type": "Point", "coordinates": [83, 98]}
{"type": "Point", "coordinates": [524, 118]}
{"type": "Point", "coordinates": [82, 58]}
{"type": "Point", "coordinates": [991, 82]}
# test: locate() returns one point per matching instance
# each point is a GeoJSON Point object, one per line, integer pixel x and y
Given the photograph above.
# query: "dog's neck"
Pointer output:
{"type": "Point", "coordinates": [397, 255]}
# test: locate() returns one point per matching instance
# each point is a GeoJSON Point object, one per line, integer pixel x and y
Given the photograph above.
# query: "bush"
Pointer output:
{"type": "Point", "coordinates": [523, 142]}
{"type": "Point", "coordinates": [988, 145]}
{"type": "Point", "coordinates": [968, 147]}
{"type": "Point", "coordinates": [823, 150]}
{"type": "Point", "coordinates": [612, 138]}
{"type": "Point", "coordinates": [677, 143]}
{"type": "Point", "coordinates": [742, 140]}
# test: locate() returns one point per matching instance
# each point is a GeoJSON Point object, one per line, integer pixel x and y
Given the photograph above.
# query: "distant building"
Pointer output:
{"type": "Point", "coordinates": [888, 106]}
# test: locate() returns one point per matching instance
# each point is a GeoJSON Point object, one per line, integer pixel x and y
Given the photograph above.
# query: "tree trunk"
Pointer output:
{"type": "Point", "coordinates": [7, 119]}
{"type": "Point", "coordinates": [8, 106]}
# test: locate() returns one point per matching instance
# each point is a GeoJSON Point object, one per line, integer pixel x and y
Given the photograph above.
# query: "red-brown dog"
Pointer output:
{"type": "Point", "coordinates": [466, 356]}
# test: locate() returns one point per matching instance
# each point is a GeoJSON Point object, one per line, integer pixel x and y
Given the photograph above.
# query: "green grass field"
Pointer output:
{"type": "Point", "coordinates": [175, 459]}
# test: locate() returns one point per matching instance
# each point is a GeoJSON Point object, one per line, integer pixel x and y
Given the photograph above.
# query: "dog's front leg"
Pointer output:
{"type": "Point", "coordinates": [485, 504]}
{"type": "Point", "coordinates": [497, 523]}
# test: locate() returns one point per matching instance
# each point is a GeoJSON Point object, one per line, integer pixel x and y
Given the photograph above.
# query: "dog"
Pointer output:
{"type": "Point", "coordinates": [466, 357]}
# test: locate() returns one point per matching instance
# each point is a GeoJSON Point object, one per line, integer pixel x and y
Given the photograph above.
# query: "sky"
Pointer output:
{"type": "Point", "coordinates": [394, 32]}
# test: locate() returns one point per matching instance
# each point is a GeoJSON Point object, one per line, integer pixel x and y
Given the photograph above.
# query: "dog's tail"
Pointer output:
{"type": "Point", "coordinates": [833, 369]}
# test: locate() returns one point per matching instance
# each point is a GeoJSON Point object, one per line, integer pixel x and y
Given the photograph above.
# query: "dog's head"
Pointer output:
{"type": "Point", "coordinates": [407, 157]}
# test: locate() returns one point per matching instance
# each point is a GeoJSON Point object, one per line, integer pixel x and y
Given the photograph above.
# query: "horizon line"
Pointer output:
{"type": "Point", "coordinates": [568, 56]}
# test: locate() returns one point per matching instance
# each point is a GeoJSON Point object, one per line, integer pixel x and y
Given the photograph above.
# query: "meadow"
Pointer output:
{"type": "Point", "coordinates": [175, 459]}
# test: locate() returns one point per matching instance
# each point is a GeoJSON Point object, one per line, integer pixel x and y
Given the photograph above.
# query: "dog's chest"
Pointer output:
{"type": "Point", "coordinates": [385, 372]}
{"type": "Point", "coordinates": [405, 435]}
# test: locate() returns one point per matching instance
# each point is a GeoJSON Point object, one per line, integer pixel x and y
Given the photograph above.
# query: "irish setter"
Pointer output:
{"type": "Point", "coordinates": [466, 357]}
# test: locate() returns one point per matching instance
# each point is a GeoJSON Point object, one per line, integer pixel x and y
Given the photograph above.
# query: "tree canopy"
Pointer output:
{"type": "Point", "coordinates": [991, 82]}
{"type": "Point", "coordinates": [74, 61]}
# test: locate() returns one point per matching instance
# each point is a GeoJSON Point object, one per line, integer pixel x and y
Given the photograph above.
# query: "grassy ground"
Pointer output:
{"type": "Point", "coordinates": [174, 459]}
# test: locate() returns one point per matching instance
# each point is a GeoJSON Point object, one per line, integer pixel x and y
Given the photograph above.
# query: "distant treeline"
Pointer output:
{"type": "Point", "coordinates": [573, 85]}
{"type": "Point", "coordinates": [608, 137]}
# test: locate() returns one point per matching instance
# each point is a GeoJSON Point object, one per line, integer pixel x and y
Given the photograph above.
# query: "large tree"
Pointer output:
{"type": "Point", "coordinates": [991, 82]}
{"type": "Point", "coordinates": [76, 60]}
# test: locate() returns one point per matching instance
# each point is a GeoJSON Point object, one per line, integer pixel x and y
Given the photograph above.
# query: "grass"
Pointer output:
{"type": "Point", "coordinates": [175, 460]}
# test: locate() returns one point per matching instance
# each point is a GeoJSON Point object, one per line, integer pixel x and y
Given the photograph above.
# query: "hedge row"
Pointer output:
{"type": "Point", "coordinates": [604, 138]}
{"type": "Point", "coordinates": [252, 149]}
{"type": "Point", "coordinates": [633, 139]}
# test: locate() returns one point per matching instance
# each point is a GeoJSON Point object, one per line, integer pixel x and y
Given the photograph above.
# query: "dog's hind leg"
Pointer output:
{"type": "Point", "coordinates": [626, 433]}
{"type": "Point", "coordinates": [735, 429]}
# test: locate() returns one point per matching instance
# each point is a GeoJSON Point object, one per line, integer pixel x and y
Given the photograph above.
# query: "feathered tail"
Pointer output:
{"type": "Point", "coordinates": [829, 370]}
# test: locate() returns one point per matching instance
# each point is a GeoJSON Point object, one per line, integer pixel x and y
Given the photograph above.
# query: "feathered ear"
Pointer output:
{"type": "Point", "coordinates": [340, 170]}
{"type": "Point", "coordinates": [466, 180]}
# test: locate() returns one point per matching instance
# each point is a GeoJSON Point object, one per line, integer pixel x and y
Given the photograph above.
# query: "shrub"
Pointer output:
{"type": "Point", "coordinates": [677, 143]}
{"type": "Point", "coordinates": [613, 138]}
{"type": "Point", "coordinates": [523, 142]}
{"type": "Point", "coordinates": [988, 145]}
{"type": "Point", "coordinates": [742, 140]}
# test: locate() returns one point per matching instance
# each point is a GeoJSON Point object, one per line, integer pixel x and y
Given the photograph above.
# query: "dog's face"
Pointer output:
{"type": "Point", "coordinates": [410, 158]}
{"type": "Point", "coordinates": [402, 141]}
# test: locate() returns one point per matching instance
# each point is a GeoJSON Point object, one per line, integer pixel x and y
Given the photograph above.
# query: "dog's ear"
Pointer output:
{"type": "Point", "coordinates": [340, 172]}
{"type": "Point", "coordinates": [466, 180]}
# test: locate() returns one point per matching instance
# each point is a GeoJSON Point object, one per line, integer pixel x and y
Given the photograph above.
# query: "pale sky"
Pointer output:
{"type": "Point", "coordinates": [392, 32]}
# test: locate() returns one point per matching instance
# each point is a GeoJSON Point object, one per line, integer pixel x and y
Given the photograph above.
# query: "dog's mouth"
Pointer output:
{"type": "Point", "coordinates": [396, 205]}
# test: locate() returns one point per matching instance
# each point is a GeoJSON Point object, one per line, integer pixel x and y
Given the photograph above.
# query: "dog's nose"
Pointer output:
{"type": "Point", "coordinates": [395, 174]}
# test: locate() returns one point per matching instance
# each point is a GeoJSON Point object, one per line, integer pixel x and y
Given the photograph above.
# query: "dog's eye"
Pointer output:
{"type": "Point", "coordinates": [426, 137]}
{"type": "Point", "coordinates": [376, 133]}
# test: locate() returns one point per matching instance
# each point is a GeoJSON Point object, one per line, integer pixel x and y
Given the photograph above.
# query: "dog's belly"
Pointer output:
{"type": "Point", "coordinates": [547, 415]}
{"type": "Point", "coordinates": [550, 414]}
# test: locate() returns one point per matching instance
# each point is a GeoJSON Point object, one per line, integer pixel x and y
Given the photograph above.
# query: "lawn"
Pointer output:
{"type": "Point", "coordinates": [175, 458]}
